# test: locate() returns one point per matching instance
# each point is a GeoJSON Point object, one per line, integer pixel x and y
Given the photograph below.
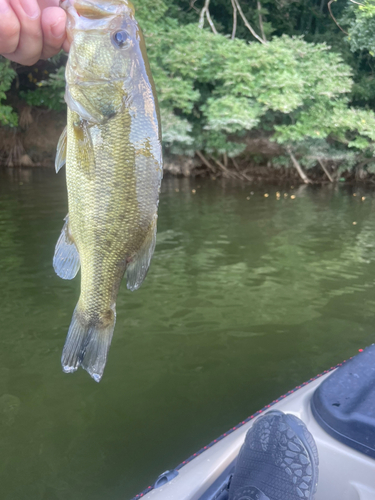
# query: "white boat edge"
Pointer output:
{"type": "Point", "coordinates": [344, 473]}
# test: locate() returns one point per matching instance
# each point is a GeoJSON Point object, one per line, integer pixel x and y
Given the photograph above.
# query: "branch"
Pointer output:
{"type": "Point", "coordinates": [242, 174]}
{"type": "Point", "coordinates": [206, 12]}
{"type": "Point", "coordinates": [192, 6]}
{"type": "Point", "coordinates": [210, 22]}
{"type": "Point", "coordinates": [201, 16]}
{"type": "Point", "coordinates": [298, 167]}
{"type": "Point", "coordinates": [357, 3]}
{"type": "Point", "coordinates": [226, 173]}
{"type": "Point", "coordinates": [225, 160]}
{"type": "Point", "coordinates": [234, 29]}
{"type": "Point", "coordinates": [205, 161]}
{"type": "Point", "coordinates": [236, 165]}
{"type": "Point", "coordinates": [247, 24]}
{"type": "Point", "coordinates": [259, 7]}
{"type": "Point", "coordinates": [333, 17]}
{"type": "Point", "coordinates": [325, 169]}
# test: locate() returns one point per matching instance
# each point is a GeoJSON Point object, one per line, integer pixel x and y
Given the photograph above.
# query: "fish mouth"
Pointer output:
{"type": "Point", "coordinates": [87, 15]}
{"type": "Point", "coordinates": [96, 9]}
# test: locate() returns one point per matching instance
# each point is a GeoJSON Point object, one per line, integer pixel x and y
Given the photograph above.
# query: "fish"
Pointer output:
{"type": "Point", "coordinates": [112, 151]}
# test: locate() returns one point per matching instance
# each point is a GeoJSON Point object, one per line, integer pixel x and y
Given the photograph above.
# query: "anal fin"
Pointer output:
{"type": "Point", "coordinates": [60, 159]}
{"type": "Point", "coordinates": [138, 267]}
{"type": "Point", "coordinates": [66, 261]}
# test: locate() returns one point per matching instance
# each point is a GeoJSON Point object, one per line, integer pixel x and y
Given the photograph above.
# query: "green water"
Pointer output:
{"type": "Point", "coordinates": [244, 300]}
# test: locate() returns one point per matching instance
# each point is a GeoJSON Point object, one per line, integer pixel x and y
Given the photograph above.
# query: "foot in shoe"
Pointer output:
{"type": "Point", "coordinates": [278, 461]}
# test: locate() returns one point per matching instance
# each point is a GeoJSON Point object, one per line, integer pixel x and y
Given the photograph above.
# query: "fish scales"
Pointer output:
{"type": "Point", "coordinates": [112, 146]}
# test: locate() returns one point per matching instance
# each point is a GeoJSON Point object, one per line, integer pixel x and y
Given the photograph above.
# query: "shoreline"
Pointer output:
{"type": "Point", "coordinates": [33, 145]}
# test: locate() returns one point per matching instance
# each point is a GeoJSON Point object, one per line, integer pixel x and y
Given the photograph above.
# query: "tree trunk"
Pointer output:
{"type": "Point", "coordinates": [325, 170]}
{"type": "Point", "coordinates": [259, 7]}
{"type": "Point", "coordinates": [298, 167]}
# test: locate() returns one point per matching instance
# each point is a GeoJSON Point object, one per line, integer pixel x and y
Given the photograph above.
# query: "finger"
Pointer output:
{"type": "Point", "coordinates": [54, 33]}
{"type": "Point", "coordinates": [31, 38]}
{"type": "Point", "coordinates": [44, 4]}
{"type": "Point", "coordinates": [9, 28]}
{"type": "Point", "coordinates": [66, 45]}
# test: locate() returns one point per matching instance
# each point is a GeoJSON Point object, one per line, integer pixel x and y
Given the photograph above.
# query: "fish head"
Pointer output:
{"type": "Point", "coordinates": [106, 55]}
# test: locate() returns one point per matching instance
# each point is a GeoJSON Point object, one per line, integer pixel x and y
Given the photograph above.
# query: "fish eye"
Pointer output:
{"type": "Point", "coordinates": [120, 38]}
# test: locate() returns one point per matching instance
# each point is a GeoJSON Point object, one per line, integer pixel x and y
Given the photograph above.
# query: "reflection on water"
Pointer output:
{"type": "Point", "coordinates": [245, 299]}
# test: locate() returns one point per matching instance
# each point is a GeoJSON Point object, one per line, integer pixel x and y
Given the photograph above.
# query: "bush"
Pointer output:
{"type": "Point", "coordinates": [7, 115]}
{"type": "Point", "coordinates": [214, 90]}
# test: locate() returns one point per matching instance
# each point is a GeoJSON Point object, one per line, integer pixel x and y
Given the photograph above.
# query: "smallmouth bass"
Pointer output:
{"type": "Point", "coordinates": [112, 150]}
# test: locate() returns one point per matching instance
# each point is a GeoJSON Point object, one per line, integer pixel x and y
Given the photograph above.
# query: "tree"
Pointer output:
{"type": "Point", "coordinates": [225, 68]}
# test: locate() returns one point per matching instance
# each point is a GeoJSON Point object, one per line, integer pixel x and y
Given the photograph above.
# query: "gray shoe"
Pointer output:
{"type": "Point", "coordinates": [278, 461]}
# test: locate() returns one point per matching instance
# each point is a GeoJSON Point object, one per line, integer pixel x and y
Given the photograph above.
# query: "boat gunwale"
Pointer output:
{"type": "Point", "coordinates": [244, 422]}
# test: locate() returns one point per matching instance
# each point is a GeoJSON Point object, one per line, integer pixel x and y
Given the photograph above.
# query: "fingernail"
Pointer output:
{"type": "Point", "coordinates": [30, 8]}
{"type": "Point", "coordinates": [57, 29]}
{"type": "Point", "coordinates": [4, 7]}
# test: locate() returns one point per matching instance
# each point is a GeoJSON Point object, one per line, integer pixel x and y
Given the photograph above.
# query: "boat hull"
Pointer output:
{"type": "Point", "coordinates": [344, 473]}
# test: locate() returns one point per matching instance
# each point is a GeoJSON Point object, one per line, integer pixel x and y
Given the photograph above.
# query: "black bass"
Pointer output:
{"type": "Point", "coordinates": [112, 150]}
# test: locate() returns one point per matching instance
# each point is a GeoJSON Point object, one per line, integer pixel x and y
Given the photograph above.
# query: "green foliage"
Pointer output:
{"type": "Point", "coordinates": [231, 114]}
{"type": "Point", "coordinates": [176, 132]}
{"type": "Point", "coordinates": [282, 75]}
{"type": "Point", "coordinates": [48, 93]}
{"type": "Point", "coordinates": [360, 21]}
{"type": "Point", "coordinates": [312, 150]}
{"type": "Point", "coordinates": [329, 118]}
{"type": "Point", "coordinates": [223, 87]}
{"type": "Point", "coordinates": [308, 87]}
{"type": "Point", "coordinates": [7, 75]}
{"type": "Point", "coordinates": [151, 14]}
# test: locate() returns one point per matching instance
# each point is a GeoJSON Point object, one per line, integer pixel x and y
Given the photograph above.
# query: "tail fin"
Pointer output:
{"type": "Point", "coordinates": [87, 344]}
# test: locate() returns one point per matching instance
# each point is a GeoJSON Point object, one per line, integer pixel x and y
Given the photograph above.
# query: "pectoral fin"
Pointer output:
{"type": "Point", "coordinates": [84, 140]}
{"type": "Point", "coordinates": [138, 267]}
{"type": "Point", "coordinates": [61, 151]}
{"type": "Point", "coordinates": [66, 260]}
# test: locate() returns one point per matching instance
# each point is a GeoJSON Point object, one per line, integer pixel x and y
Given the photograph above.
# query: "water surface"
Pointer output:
{"type": "Point", "coordinates": [247, 297]}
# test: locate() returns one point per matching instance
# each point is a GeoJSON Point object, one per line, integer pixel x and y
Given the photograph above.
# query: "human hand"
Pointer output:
{"type": "Point", "coordinates": [31, 30]}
